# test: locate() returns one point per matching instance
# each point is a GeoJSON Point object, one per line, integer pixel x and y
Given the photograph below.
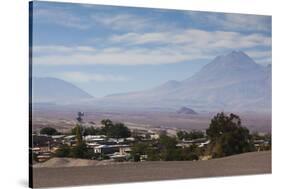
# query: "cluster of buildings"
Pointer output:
{"type": "Point", "coordinates": [113, 148]}
{"type": "Point", "coordinates": [262, 144]}
{"type": "Point", "coordinates": [117, 149]}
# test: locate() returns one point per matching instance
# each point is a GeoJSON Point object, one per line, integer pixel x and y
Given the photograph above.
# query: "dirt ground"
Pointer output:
{"type": "Point", "coordinates": [243, 164]}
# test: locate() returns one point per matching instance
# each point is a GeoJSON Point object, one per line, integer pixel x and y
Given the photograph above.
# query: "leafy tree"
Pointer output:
{"type": "Point", "coordinates": [190, 135]}
{"type": "Point", "coordinates": [181, 134]}
{"type": "Point", "coordinates": [227, 136]}
{"type": "Point", "coordinates": [117, 130]}
{"type": "Point", "coordinates": [164, 149]}
{"type": "Point", "coordinates": [136, 157]}
{"type": "Point", "coordinates": [222, 123]}
{"type": "Point", "coordinates": [196, 135]}
{"type": "Point", "coordinates": [139, 149]}
{"type": "Point", "coordinates": [167, 142]}
{"type": "Point", "coordinates": [92, 131]}
{"type": "Point", "coordinates": [167, 147]}
{"type": "Point", "coordinates": [153, 154]}
{"type": "Point", "coordinates": [110, 129]}
{"type": "Point", "coordinates": [78, 151]}
{"type": "Point", "coordinates": [63, 151]}
{"type": "Point", "coordinates": [79, 135]}
{"type": "Point", "coordinates": [191, 153]}
{"type": "Point", "coordinates": [81, 151]}
{"type": "Point", "coordinates": [34, 157]}
{"type": "Point", "coordinates": [88, 131]}
{"type": "Point", "coordinates": [49, 131]}
{"type": "Point", "coordinates": [107, 122]}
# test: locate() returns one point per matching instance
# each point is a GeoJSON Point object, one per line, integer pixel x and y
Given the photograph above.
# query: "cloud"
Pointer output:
{"type": "Point", "coordinates": [102, 17]}
{"type": "Point", "coordinates": [259, 54]}
{"type": "Point", "coordinates": [109, 56]}
{"type": "Point", "coordinates": [230, 21]}
{"type": "Point", "coordinates": [61, 17]}
{"type": "Point", "coordinates": [194, 38]}
{"type": "Point", "coordinates": [154, 48]}
{"type": "Point", "coordinates": [262, 57]}
{"type": "Point", "coordinates": [247, 22]}
{"type": "Point", "coordinates": [86, 77]}
{"type": "Point", "coordinates": [62, 49]}
{"type": "Point", "coordinates": [126, 19]}
{"type": "Point", "coordinates": [123, 21]}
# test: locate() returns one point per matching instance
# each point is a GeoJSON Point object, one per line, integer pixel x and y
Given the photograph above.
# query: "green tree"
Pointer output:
{"type": "Point", "coordinates": [63, 151]}
{"type": "Point", "coordinates": [190, 135]}
{"type": "Point", "coordinates": [115, 130]}
{"type": "Point", "coordinates": [181, 134]}
{"type": "Point", "coordinates": [107, 122]}
{"type": "Point", "coordinates": [153, 154]}
{"type": "Point", "coordinates": [167, 147]}
{"type": "Point", "coordinates": [49, 131]}
{"type": "Point", "coordinates": [81, 151]}
{"type": "Point", "coordinates": [119, 130]}
{"type": "Point", "coordinates": [79, 134]}
{"type": "Point", "coordinates": [196, 134]}
{"type": "Point", "coordinates": [227, 136]}
{"type": "Point", "coordinates": [139, 149]}
{"type": "Point", "coordinates": [92, 131]}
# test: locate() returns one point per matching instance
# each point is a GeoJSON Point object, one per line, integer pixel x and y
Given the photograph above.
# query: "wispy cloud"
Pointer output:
{"type": "Point", "coordinates": [123, 21]}
{"type": "Point", "coordinates": [233, 22]}
{"type": "Point", "coordinates": [86, 77]}
{"type": "Point", "coordinates": [109, 56]}
{"type": "Point", "coordinates": [60, 17]}
{"type": "Point", "coordinates": [194, 37]}
{"type": "Point", "coordinates": [113, 18]}
{"type": "Point", "coordinates": [263, 57]}
{"type": "Point", "coordinates": [109, 20]}
{"type": "Point", "coordinates": [247, 22]}
{"type": "Point", "coordinates": [62, 49]}
{"type": "Point", "coordinates": [153, 48]}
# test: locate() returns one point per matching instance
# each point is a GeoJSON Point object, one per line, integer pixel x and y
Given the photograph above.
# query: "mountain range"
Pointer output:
{"type": "Point", "coordinates": [57, 91]}
{"type": "Point", "coordinates": [229, 82]}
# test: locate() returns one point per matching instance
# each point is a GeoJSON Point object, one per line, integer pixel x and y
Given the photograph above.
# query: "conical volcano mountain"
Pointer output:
{"type": "Point", "coordinates": [229, 82]}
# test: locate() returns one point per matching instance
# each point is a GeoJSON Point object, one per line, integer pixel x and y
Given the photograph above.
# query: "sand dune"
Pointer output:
{"type": "Point", "coordinates": [243, 164]}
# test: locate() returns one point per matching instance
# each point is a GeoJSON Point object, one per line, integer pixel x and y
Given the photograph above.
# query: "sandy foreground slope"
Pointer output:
{"type": "Point", "coordinates": [243, 164]}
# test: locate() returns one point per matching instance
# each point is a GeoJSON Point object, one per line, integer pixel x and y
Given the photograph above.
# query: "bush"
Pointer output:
{"type": "Point", "coordinates": [49, 131]}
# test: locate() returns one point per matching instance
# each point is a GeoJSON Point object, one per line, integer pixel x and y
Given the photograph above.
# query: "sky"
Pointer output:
{"type": "Point", "coordinates": [108, 49]}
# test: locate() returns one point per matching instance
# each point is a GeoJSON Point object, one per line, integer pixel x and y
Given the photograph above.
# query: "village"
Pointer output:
{"type": "Point", "coordinates": [123, 144]}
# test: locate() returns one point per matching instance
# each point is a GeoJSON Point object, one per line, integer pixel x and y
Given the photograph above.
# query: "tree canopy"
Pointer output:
{"type": "Point", "coordinates": [115, 130]}
{"type": "Point", "coordinates": [110, 129]}
{"type": "Point", "coordinates": [190, 135]}
{"type": "Point", "coordinates": [227, 136]}
{"type": "Point", "coordinates": [165, 148]}
{"type": "Point", "coordinates": [49, 131]}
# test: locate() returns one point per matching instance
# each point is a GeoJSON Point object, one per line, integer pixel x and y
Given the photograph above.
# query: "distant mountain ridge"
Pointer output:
{"type": "Point", "coordinates": [53, 90]}
{"type": "Point", "coordinates": [185, 110]}
{"type": "Point", "coordinates": [230, 82]}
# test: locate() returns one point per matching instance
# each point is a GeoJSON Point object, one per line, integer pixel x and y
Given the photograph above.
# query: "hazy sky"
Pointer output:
{"type": "Point", "coordinates": [107, 49]}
